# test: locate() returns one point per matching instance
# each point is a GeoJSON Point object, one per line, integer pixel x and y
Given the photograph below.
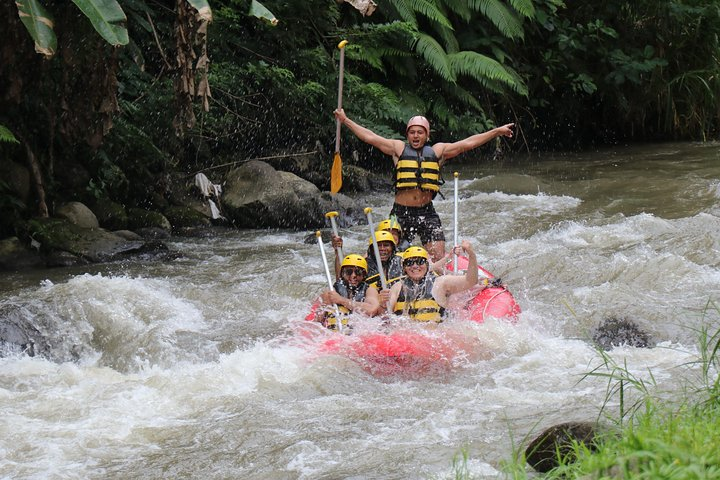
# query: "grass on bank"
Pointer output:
{"type": "Point", "coordinates": [652, 439]}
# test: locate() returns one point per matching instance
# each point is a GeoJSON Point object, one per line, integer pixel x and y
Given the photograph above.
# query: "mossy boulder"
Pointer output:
{"type": "Point", "coordinates": [90, 244]}
{"type": "Point", "coordinates": [186, 217]}
{"type": "Point", "coordinates": [77, 213]}
{"type": "Point", "coordinates": [16, 256]}
{"type": "Point", "coordinates": [140, 218]}
{"type": "Point", "coordinates": [111, 215]}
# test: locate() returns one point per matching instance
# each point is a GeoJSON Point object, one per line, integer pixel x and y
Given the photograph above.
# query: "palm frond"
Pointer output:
{"type": "Point", "coordinates": [433, 53]}
{"type": "Point", "coordinates": [449, 39]}
{"type": "Point", "coordinates": [485, 69]}
{"type": "Point", "coordinates": [500, 16]}
{"type": "Point", "coordinates": [526, 8]}
{"type": "Point", "coordinates": [405, 11]}
{"type": "Point", "coordinates": [460, 8]}
{"type": "Point", "coordinates": [6, 135]}
{"type": "Point", "coordinates": [444, 111]}
{"type": "Point", "coordinates": [375, 57]}
{"type": "Point", "coordinates": [429, 9]}
{"type": "Point", "coordinates": [465, 96]}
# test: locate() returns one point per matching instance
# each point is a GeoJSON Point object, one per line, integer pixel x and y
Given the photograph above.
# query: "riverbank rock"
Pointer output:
{"type": "Point", "coordinates": [110, 214]}
{"type": "Point", "coordinates": [15, 256]}
{"type": "Point", "coordinates": [357, 179]}
{"type": "Point", "coordinates": [184, 218]}
{"type": "Point", "coordinates": [54, 235]}
{"type": "Point", "coordinates": [77, 213]}
{"type": "Point", "coordinates": [314, 166]}
{"type": "Point", "coordinates": [542, 453]}
{"type": "Point", "coordinates": [140, 218]}
{"type": "Point", "coordinates": [258, 196]}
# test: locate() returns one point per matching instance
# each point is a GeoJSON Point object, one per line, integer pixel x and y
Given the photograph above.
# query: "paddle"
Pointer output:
{"type": "Point", "coordinates": [383, 282]}
{"type": "Point", "coordinates": [331, 216]}
{"type": "Point", "coordinates": [329, 278]}
{"type": "Point", "coordinates": [455, 227]}
{"type": "Point", "coordinates": [336, 170]}
{"type": "Point", "coordinates": [455, 235]}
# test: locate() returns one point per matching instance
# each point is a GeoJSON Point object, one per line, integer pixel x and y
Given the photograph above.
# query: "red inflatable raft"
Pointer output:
{"type": "Point", "coordinates": [406, 353]}
{"type": "Point", "coordinates": [420, 351]}
{"type": "Point", "coordinates": [492, 301]}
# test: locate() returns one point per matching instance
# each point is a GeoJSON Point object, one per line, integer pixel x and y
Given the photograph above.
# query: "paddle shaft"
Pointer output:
{"type": "Point", "coordinates": [340, 94]}
{"type": "Point", "coordinates": [329, 279]}
{"type": "Point", "coordinates": [335, 231]}
{"type": "Point", "coordinates": [381, 272]}
{"type": "Point", "coordinates": [455, 227]}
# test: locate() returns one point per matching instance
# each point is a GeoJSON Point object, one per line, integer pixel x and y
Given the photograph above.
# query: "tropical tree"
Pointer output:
{"type": "Point", "coordinates": [443, 58]}
{"type": "Point", "coordinates": [62, 104]}
{"type": "Point", "coordinates": [645, 69]}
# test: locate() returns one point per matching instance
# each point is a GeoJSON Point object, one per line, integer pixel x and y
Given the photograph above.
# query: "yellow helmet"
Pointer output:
{"type": "Point", "coordinates": [383, 236]}
{"type": "Point", "coordinates": [389, 224]}
{"type": "Point", "coordinates": [354, 260]}
{"type": "Point", "coordinates": [413, 252]}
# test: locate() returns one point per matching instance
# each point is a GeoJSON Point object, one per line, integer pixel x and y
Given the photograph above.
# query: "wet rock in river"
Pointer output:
{"type": "Point", "coordinates": [542, 453]}
{"type": "Point", "coordinates": [615, 332]}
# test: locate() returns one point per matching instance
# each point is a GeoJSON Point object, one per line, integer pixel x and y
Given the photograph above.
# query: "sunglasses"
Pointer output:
{"type": "Point", "coordinates": [414, 261]}
{"type": "Point", "coordinates": [356, 270]}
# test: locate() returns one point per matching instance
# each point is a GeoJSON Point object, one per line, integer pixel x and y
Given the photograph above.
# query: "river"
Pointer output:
{"type": "Point", "coordinates": [192, 368]}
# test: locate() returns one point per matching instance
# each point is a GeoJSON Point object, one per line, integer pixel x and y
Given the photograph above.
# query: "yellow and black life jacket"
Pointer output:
{"type": "Point", "coordinates": [417, 302]}
{"type": "Point", "coordinates": [393, 271]}
{"type": "Point", "coordinates": [330, 320]}
{"type": "Point", "coordinates": [418, 169]}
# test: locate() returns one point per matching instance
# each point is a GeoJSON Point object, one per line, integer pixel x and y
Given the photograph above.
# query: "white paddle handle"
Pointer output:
{"type": "Point", "coordinates": [455, 227]}
{"type": "Point", "coordinates": [383, 281]}
{"type": "Point", "coordinates": [329, 278]}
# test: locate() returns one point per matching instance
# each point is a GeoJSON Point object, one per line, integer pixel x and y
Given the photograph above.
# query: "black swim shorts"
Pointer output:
{"type": "Point", "coordinates": [423, 221]}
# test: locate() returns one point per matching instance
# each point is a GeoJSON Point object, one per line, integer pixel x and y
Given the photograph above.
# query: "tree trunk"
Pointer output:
{"type": "Point", "coordinates": [39, 184]}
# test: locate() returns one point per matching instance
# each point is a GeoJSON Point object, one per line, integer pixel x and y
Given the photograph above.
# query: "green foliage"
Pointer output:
{"type": "Point", "coordinates": [622, 384]}
{"type": "Point", "coordinates": [6, 135]}
{"type": "Point", "coordinates": [460, 464]}
{"type": "Point", "coordinates": [258, 10]}
{"type": "Point", "coordinates": [661, 443]}
{"type": "Point", "coordinates": [488, 70]}
{"type": "Point", "coordinates": [653, 438]}
{"type": "Point", "coordinates": [646, 69]}
{"type": "Point", "coordinates": [107, 18]}
{"type": "Point", "coordinates": [38, 22]}
{"type": "Point", "coordinates": [502, 17]}
{"type": "Point", "coordinates": [633, 67]}
{"type": "Point", "coordinates": [709, 361]}
{"type": "Point", "coordinates": [526, 8]}
{"type": "Point", "coordinates": [428, 8]}
{"type": "Point", "coordinates": [435, 56]}
{"type": "Point", "coordinates": [447, 51]}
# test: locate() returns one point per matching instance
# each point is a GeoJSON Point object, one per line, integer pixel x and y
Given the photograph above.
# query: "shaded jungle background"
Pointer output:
{"type": "Point", "coordinates": [107, 105]}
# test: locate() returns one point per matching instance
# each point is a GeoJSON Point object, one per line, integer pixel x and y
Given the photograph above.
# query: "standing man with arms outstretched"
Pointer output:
{"type": "Point", "coordinates": [417, 174]}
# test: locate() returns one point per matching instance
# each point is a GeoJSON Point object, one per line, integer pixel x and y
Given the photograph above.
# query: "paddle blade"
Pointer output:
{"type": "Point", "coordinates": [336, 174]}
